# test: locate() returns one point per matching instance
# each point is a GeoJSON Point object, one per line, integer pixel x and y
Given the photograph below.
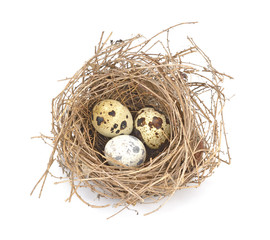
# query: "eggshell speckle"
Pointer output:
{"type": "Point", "coordinates": [126, 149]}
{"type": "Point", "coordinates": [153, 127]}
{"type": "Point", "coordinates": [110, 118]}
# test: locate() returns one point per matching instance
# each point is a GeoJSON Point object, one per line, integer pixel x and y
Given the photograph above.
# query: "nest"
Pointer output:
{"type": "Point", "coordinates": [189, 94]}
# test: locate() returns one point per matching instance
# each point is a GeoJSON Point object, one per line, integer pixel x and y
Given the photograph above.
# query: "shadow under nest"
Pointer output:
{"type": "Point", "coordinates": [188, 94]}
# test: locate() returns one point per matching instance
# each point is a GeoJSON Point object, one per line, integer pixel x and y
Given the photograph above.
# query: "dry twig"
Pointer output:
{"type": "Point", "coordinates": [125, 72]}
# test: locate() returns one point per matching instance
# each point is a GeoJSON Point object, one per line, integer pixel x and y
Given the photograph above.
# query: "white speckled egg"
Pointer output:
{"type": "Point", "coordinates": [126, 149]}
{"type": "Point", "coordinates": [153, 127]}
{"type": "Point", "coordinates": [110, 118]}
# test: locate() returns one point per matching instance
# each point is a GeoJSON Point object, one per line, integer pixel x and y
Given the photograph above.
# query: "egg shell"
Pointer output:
{"type": "Point", "coordinates": [199, 151]}
{"type": "Point", "coordinates": [110, 118]}
{"type": "Point", "coordinates": [152, 126]}
{"type": "Point", "coordinates": [125, 149]}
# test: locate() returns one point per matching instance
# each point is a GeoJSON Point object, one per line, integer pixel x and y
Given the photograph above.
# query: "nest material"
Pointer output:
{"type": "Point", "coordinates": [190, 95]}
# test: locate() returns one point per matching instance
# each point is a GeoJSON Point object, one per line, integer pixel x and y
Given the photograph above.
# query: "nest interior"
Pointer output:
{"type": "Point", "coordinates": [190, 95]}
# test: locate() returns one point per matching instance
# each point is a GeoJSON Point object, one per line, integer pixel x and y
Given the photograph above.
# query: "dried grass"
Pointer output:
{"type": "Point", "coordinates": [190, 95]}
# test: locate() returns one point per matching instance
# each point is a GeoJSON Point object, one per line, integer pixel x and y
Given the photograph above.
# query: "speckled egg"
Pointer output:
{"type": "Point", "coordinates": [153, 127]}
{"type": "Point", "coordinates": [110, 118]}
{"type": "Point", "coordinates": [126, 149]}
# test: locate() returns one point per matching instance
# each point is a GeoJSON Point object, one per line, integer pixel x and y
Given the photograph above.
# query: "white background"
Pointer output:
{"type": "Point", "coordinates": [44, 41]}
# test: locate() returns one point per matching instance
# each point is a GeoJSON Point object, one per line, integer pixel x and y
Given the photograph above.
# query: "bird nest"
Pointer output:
{"type": "Point", "coordinates": [190, 95]}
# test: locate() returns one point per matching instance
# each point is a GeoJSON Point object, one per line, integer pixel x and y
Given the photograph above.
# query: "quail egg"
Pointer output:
{"type": "Point", "coordinates": [153, 127]}
{"type": "Point", "coordinates": [110, 118]}
{"type": "Point", "coordinates": [125, 149]}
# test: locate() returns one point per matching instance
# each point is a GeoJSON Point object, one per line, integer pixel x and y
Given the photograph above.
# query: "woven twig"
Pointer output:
{"type": "Point", "coordinates": [190, 95]}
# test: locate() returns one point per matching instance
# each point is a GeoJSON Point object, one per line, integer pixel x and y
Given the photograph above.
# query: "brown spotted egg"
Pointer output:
{"type": "Point", "coordinates": [152, 126]}
{"type": "Point", "coordinates": [110, 118]}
